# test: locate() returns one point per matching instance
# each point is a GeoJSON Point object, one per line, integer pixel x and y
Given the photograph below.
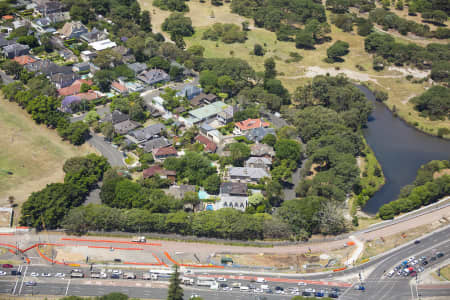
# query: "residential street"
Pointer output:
{"type": "Point", "coordinates": [114, 156]}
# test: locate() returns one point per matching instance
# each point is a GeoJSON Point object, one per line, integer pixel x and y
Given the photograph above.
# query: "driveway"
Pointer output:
{"type": "Point", "coordinates": [114, 156]}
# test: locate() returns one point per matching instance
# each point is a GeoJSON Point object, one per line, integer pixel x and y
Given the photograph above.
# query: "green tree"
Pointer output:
{"type": "Point", "coordinates": [245, 26]}
{"type": "Point", "coordinates": [146, 23]}
{"type": "Point", "coordinates": [178, 24]}
{"type": "Point", "coordinates": [91, 117]}
{"type": "Point", "coordinates": [258, 50]}
{"type": "Point", "coordinates": [399, 5]}
{"type": "Point", "coordinates": [29, 40]}
{"type": "Point", "coordinates": [239, 153]}
{"type": "Point", "coordinates": [304, 40]}
{"type": "Point", "coordinates": [212, 184]}
{"type": "Point", "coordinates": [270, 68]}
{"type": "Point", "coordinates": [103, 80]}
{"type": "Point", "coordinates": [288, 149]}
{"type": "Point", "coordinates": [337, 50]}
{"type": "Point", "coordinates": [269, 139]}
{"type": "Point", "coordinates": [12, 68]}
{"type": "Point", "coordinates": [175, 291]}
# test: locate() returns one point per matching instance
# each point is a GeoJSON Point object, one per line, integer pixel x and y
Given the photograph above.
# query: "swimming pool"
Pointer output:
{"type": "Point", "coordinates": [202, 195]}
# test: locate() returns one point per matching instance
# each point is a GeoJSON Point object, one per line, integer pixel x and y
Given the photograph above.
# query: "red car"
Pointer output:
{"type": "Point", "coordinates": [9, 266]}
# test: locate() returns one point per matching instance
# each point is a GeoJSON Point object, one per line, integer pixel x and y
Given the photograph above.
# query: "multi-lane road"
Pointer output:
{"type": "Point", "coordinates": [377, 284]}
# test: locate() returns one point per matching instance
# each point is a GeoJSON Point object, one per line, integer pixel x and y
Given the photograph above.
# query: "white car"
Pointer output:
{"type": "Point", "coordinates": [227, 288]}
{"type": "Point", "coordinates": [103, 275]}
{"type": "Point", "coordinates": [118, 272]}
{"type": "Point", "coordinates": [258, 290]}
{"type": "Point", "coordinates": [221, 279]}
{"type": "Point", "coordinates": [60, 275]}
{"type": "Point", "coordinates": [34, 274]}
{"type": "Point", "coordinates": [2, 273]}
{"type": "Point", "coordinates": [411, 259]}
{"type": "Point", "coordinates": [301, 283]}
{"type": "Point", "coordinates": [390, 273]}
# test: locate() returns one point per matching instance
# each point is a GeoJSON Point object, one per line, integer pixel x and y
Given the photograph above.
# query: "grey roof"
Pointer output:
{"type": "Point", "coordinates": [189, 91]}
{"type": "Point", "coordinates": [233, 188]}
{"type": "Point", "coordinates": [259, 160]}
{"type": "Point", "coordinates": [148, 132]}
{"type": "Point", "coordinates": [137, 67]}
{"type": "Point", "coordinates": [15, 47]}
{"type": "Point", "coordinates": [262, 150]}
{"type": "Point", "coordinates": [257, 134]}
{"type": "Point", "coordinates": [64, 80]}
{"type": "Point", "coordinates": [83, 65]}
{"type": "Point", "coordinates": [47, 68]}
{"type": "Point", "coordinates": [153, 76]}
{"type": "Point", "coordinates": [4, 42]}
{"type": "Point", "coordinates": [126, 126]}
{"type": "Point", "coordinates": [244, 172]}
{"type": "Point", "coordinates": [116, 117]}
{"type": "Point", "coordinates": [156, 143]}
{"type": "Point", "coordinates": [94, 35]}
{"type": "Point", "coordinates": [236, 202]}
{"type": "Point", "coordinates": [43, 22]}
{"type": "Point", "coordinates": [206, 127]}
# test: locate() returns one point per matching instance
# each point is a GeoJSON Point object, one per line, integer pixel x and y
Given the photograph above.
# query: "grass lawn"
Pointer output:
{"type": "Point", "coordinates": [445, 272]}
{"type": "Point", "coordinates": [296, 74]}
{"type": "Point", "coordinates": [34, 153]}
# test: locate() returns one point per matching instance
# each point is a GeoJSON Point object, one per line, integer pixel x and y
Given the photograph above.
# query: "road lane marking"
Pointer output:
{"type": "Point", "coordinates": [67, 288]}
{"type": "Point", "coordinates": [17, 280]}
{"type": "Point", "coordinates": [23, 279]}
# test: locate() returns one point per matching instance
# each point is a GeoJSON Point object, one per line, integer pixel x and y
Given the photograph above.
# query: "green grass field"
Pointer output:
{"type": "Point", "coordinates": [35, 154]}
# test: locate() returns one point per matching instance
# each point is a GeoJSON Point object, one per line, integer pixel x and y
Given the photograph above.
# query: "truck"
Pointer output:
{"type": "Point", "coordinates": [205, 281]}
{"type": "Point", "coordinates": [146, 276]}
{"type": "Point", "coordinates": [187, 281]}
{"type": "Point", "coordinates": [139, 239]}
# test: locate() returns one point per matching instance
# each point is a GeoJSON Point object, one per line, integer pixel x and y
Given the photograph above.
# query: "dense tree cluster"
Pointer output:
{"type": "Point", "coordinates": [110, 296]}
{"type": "Point", "coordinates": [425, 190]}
{"type": "Point", "coordinates": [192, 167]}
{"type": "Point", "coordinates": [385, 46]}
{"type": "Point", "coordinates": [46, 208]}
{"type": "Point", "coordinates": [132, 104]}
{"type": "Point", "coordinates": [434, 103]}
{"type": "Point", "coordinates": [270, 14]}
{"type": "Point", "coordinates": [172, 5]}
{"type": "Point", "coordinates": [227, 33]}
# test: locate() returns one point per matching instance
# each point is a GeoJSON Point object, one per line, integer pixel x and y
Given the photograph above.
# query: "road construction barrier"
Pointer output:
{"type": "Point", "coordinates": [340, 269]}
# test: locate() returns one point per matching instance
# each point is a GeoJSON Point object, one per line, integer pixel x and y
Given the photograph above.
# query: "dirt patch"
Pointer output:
{"type": "Point", "coordinates": [441, 173]}
{"type": "Point", "coordinates": [5, 216]}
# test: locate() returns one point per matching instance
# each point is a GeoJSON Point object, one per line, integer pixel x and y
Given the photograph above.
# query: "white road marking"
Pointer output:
{"type": "Point", "coordinates": [67, 288]}
{"type": "Point", "coordinates": [23, 279]}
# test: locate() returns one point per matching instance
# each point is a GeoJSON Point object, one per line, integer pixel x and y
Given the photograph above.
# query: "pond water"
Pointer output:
{"type": "Point", "coordinates": [400, 149]}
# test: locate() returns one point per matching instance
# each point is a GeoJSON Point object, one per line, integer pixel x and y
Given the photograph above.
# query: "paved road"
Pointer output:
{"type": "Point", "coordinates": [114, 156]}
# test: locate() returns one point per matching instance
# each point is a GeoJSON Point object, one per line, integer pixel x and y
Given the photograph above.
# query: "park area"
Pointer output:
{"type": "Point", "coordinates": [31, 157]}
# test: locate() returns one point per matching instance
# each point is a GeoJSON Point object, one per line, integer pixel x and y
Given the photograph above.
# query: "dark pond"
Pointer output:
{"type": "Point", "coordinates": [400, 149]}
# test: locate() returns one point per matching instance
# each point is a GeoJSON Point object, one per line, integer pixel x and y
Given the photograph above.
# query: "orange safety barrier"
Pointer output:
{"type": "Point", "coordinates": [6, 233]}
{"type": "Point", "coordinates": [115, 248]}
{"type": "Point", "coordinates": [141, 264]}
{"type": "Point", "coordinates": [189, 265]}
{"type": "Point", "coordinates": [12, 251]}
{"type": "Point", "coordinates": [12, 246]}
{"type": "Point", "coordinates": [340, 269]}
{"type": "Point", "coordinates": [350, 243]}
{"type": "Point", "coordinates": [28, 260]}
{"type": "Point", "coordinates": [110, 241]}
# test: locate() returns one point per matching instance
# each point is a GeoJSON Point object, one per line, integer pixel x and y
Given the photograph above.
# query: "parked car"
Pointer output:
{"type": "Point", "coordinates": [359, 287]}
{"type": "Point", "coordinates": [30, 283]}
{"type": "Point", "coordinates": [433, 258]}
{"type": "Point", "coordinates": [16, 273]}
{"type": "Point", "coordinates": [416, 242]}
{"type": "Point", "coordinates": [2, 273]}
{"type": "Point", "coordinates": [301, 283]}
{"type": "Point", "coordinates": [34, 274]}
{"type": "Point", "coordinates": [390, 273]}
{"type": "Point", "coordinates": [7, 266]}
{"type": "Point", "coordinates": [439, 254]}
{"type": "Point", "coordinates": [424, 263]}
{"type": "Point", "coordinates": [413, 273]}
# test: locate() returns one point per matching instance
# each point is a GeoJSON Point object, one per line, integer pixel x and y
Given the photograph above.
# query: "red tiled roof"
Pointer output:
{"type": "Point", "coordinates": [8, 17]}
{"type": "Point", "coordinates": [209, 144]}
{"type": "Point", "coordinates": [119, 87]}
{"type": "Point", "coordinates": [251, 124]}
{"type": "Point", "coordinates": [74, 88]}
{"type": "Point", "coordinates": [164, 151]}
{"type": "Point", "coordinates": [90, 95]}
{"type": "Point", "coordinates": [24, 59]}
{"type": "Point", "coordinates": [157, 169]}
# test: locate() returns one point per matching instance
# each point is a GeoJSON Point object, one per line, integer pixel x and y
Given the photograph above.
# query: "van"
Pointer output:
{"type": "Point", "coordinates": [264, 287]}
{"type": "Point", "coordinates": [260, 280]}
{"type": "Point", "coordinates": [244, 289]}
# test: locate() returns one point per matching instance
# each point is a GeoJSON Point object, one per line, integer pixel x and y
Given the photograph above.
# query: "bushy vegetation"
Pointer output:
{"type": "Point", "coordinates": [46, 209]}
{"type": "Point", "coordinates": [434, 103]}
{"type": "Point", "coordinates": [385, 46]}
{"type": "Point", "coordinates": [227, 33]}
{"type": "Point", "coordinates": [425, 190]}
{"type": "Point", "coordinates": [172, 5]}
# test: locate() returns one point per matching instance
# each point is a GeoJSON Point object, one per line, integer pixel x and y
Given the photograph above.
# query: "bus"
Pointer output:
{"type": "Point", "coordinates": [161, 273]}
{"type": "Point", "coordinates": [205, 281]}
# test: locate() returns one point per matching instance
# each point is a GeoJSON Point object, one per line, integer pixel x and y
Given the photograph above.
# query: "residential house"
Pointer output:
{"type": "Point", "coordinates": [158, 170]}
{"type": "Point", "coordinates": [204, 113]}
{"type": "Point", "coordinates": [115, 117]}
{"type": "Point", "coordinates": [150, 132]}
{"type": "Point", "coordinates": [189, 91]}
{"type": "Point", "coordinates": [233, 195]}
{"type": "Point", "coordinates": [24, 60]}
{"type": "Point", "coordinates": [62, 80]}
{"type": "Point", "coordinates": [82, 67]}
{"type": "Point", "coordinates": [73, 29]}
{"type": "Point", "coordinates": [258, 162]}
{"type": "Point", "coordinates": [4, 42]}
{"type": "Point", "coordinates": [246, 125]}
{"type": "Point", "coordinates": [59, 17]}
{"type": "Point", "coordinates": [179, 110]}
{"type": "Point", "coordinates": [248, 175]}
{"type": "Point", "coordinates": [50, 7]}
{"type": "Point", "coordinates": [153, 76]}
{"type": "Point", "coordinates": [42, 23]}
{"type": "Point", "coordinates": [20, 23]}
{"type": "Point", "coordinates": [158, 103]}
{"type": "Point", "coordinates": [74, 88]}
{"type": "Point", "coordinates": [203, 99]}
{"type": "Point", "coordinates": [163, 153]}
{"type": "Point", "coordinates": [47, 67]}
{"type": "Point", "coordinates": [262, 150]}
{"type": "Point", "coordinates": [137, 67]}
{"type": "Point", "coordinates": [210, 146]}
{"type": "Point", "coordinates": [69, 101]}
{"type": "Point", "coordinates": [211, 133]}
{"type": "Point", "coordinates": [87, 55]}
{"type": "Point", "coordinates": [94, 35]}
{"type": "Point", "coordinates": [118, 87]}
{"type": "Point", "coordinates": [226, 116]}
{"type": "Point", "coordinates": [67, 55]}
{"type": "Point", "coordinates": [125, 126]}
{"type": "Point", "coordinates": [7, 18]}
{"type": "Point", "coordinates": [103, 45]}
{"type": "Point", "coordinates": [179, 191]}
{"type": "Point", "coordinates": [155, 143]}
{"type": "Point", "coordinates": [257, 134]}
{"type": "Point", "coordinates": [14, 50]}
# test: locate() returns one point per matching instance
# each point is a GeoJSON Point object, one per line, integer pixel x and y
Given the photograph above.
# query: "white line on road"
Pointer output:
{"type": "Point", "coordinates": [23, 279]}
{"type": "Point", "coordinates": [67, 288]}
{"type": "Point", "coordinates": [17, 280]}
